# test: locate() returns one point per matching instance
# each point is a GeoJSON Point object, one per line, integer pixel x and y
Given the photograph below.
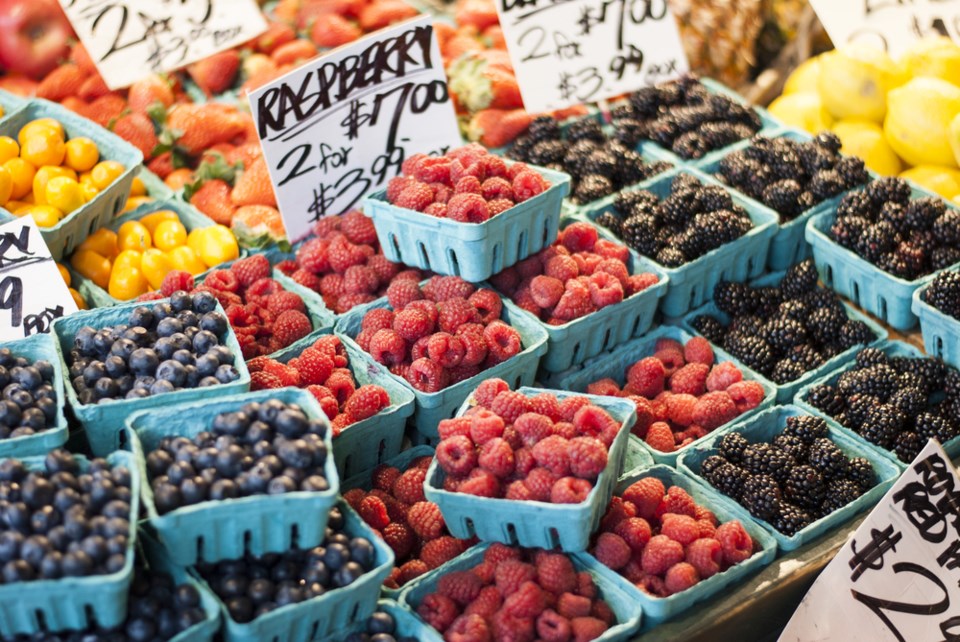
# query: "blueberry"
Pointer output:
{"type": "Point", "coordinates": [206, 382]}
{"type": "Point", "coordinates": [291, 423]}
{"type": "Point", "coordinates": [335, 519]}
{"type": "Point", "coordinates": [115, 563]}
{"type": "Point", "coordinates": [95, 546]}
{"type": "Point", "coordinates": [263, 448]}
{"type": "Point", "coordinates": [214, 322]}
{"type": "Point", "coordinates": [188, 318]}
{"type": "Point", "coordinates": [289, 595]}
{"type": "Point", "coordinates": [51, 566]}
{"type": "Point", "coordinates": [206, 365]}
{"type": "Point", "coordinates": [232, 586]}
{"type": "Point", "coordinates": [296, 453]}
{"type": "Point", "coordinates": [17, 571]}
{"type": "Point", "coordinates": [10, 543]}
{"type": "Point", "coordinates": [179, 472]}
{"type": "Point", "coordinates": [43, 519]}
{"type": "Point", "coordinates": [207, 458]}
{"type": "Point", "coordinates": [224, 489]}
{"type": "Point", "coordinates": [9, 413]}
{"type": "Point", "coordinates": [240, 609]}
{"type": "Point", "coordinates": [37, 491]}
{"type": "Point", "coordinates": [315, 484]}
{"type": "Point", "coordinates": [231, 423]}
{"type": "Point", "coordinates": [28, 377]}
{"type": "Point", "coordinates": [172, 372]}
{"type": "Point", "coordinates": [259, 431]}
{"type": "Point", "coordinates": [167, 498]}
{"type": "Point", "coordinates": [183, 357]}
{"type": "Point", "coordinates": [140, 629]}
{"type": "Point", "coordinates": [204, 341]}
{"type": "Point", "coordinates": [204, 302]}
{"type": "Point", "coordinates": [117, 545]}
{"type": "Point", "coordinates": [380, 622]}
{"type": "Point", "coordinates": [189, 617]}
{"type": "Point", "coordinates": [58, 538]}
{"type": "Point", "coordinates": [125, 383]}
{"type": "Point", "coordinates": [194, 490]}
{"type": "Point", "coordinates": [255, 480]}
{"type": "Point", "coordinates": [222, 354]}
{"type": "Point", "coordinates": [281, 485]}
{"type": "Point", "coordinates": [103, 341]}
{"type": "Point", "coordinates": [161, 387]}
{"type": "Point", "coordinates": [143, 317]}
{"type": "Point", "coordinates": [123, 348]}
{"type": "Point", "coordinates": [83, 340]}
{"type": "Point", "coordinates": [116, 526]}
{"type": "Point", "coordinates": [115, 365]}
{"type": "Point", "coordinates": [180, 341]}
{"type": "Point", "coordinates": [143, 362]}
{"type": "Point", "coordinates": [180, 300]}
{"type": "Point", "coordinates": [362, 552]}
{"type": "Point", "coordinates": [106, 389]}
{"type": "Point", "coordinates": [228, 461]}
{"type": "Point", "coordinates": [260, 590]}
{"type": "Point", "coordinates": [336, 556]}
{"type": "Point", "coordinates": [45, 391]}
{"type": "Point", "coordinates": [186, 596]}
{"type": "Point", "coordinates": [91, 374]}
{"type": "Point", "coordinates": [65, 498]}
{"type": "Point", "coordinates": [169, 326]}
{"type": "Point", "coordinates": [137, 335]}
{"type": "Point", "coordinates": [86, 397]}
{"type": "Point", "coordinates": [296, 474]}
{"type": "Point", "coordinates": [77, 564]}
{"type": "Point", "coordinates": [5, 376]}
{"type": "Point", "coordinates": [116, 508]}
{"type": "Point", "coordinates": [318, 427]}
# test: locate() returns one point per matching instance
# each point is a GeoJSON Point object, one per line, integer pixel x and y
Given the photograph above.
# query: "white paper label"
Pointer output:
{"type": "Point", "coordinates": [341, 125]}
{"type": "Point", "coordinates": [130, 39]}
{"type": "Point", "coordinates": [897, 577]}
{"type": "Point", "coordinates": [567, 52]}
{"type": "Point", "coordinates": [32, 292]}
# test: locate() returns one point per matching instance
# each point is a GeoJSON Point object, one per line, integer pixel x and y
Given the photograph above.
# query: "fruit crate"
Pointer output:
{"type": "Point", "coordinates": [637, 457]}
{"type": "Point", "coordinates": [73, 602]}
{"type": "Point", "coordinates": [103, 422]}
{"type": "Point", "coordinates": [940, 331]}
{"type": "Point", "coordinates": [474, 251]}
{"type": "Point", "coordinates": [39, 346]}
{"type": "Point", "coordinates": [786, 392]}
{"type": "Point", "coordinates": [660, 609]}
{"type": "Point", "coordinates": [767, 425]}
{"type": "Point", "coordinates": [408, 625]}
{"type": "Point", "coordinates": [363, 445]}
{"type": "Point", "coordinates": [226, 529]}
{"type": "Point", "coordinates": [891, 349]}
{"type": "Point", "coordinates": [321, 616]}
{"type": "Point", "coordinates": [745, 258]}
{"type": "Point", "coordinates": [529, 523]}
{"type": "Point", "coordinates": [614, 364]}
{"type": "Point", "coordinates": [431, 407]}
{"type": "Point", "coordinates": [63, 237]}
{"type": "Point", "coordinates": [572, 343]}
{"type": "Point", "coordinates": [621, 601]}
{"type": "Point", "coordinates": [883, 295]}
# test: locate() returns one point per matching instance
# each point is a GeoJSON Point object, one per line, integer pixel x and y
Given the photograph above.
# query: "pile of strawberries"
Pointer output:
{"type": "Point", "coordinates": [664, 542]}
{"type": "Point", "coordinates": [440, 334]}
{"type": "Point", "coordinates": [524, 448]}
{"type": "Point", "coordinates": [468, 184]}
{"type": "Point", "coordinates": [342, 261]}
{"type": "Point", "coordinates": [323, 370]}
{"type": "Point", "coordinates": [518, 594]}
{"type": "Point", "coordinates": [681, 393]}
{"type": "Point", "coordinates": [579, 274]}
{"type": "Point", "coordinates": [396, 508]}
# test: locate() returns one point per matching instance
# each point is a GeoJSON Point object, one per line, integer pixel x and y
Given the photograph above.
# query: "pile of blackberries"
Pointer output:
{"type": "Point", "coordinates": [62, 521]}
{"type": "Point", "coordinates": [897, 403]}
{"type": "Point", "coordinates": [791, 481]}
{"type": "Point", "coordinates": [256, 585]}
{"type": "Point", "coordinates": [784, 331]}
{"type": "Point", "coordinates": [906, 237]}
{"type": "Point", "coordinates": [598, 164]}
{"type": "Point", "coordinates": [790, 176]}
{"type": "Point", "coordinates": [163, 347]}
{"type": "Point", "coordinates": [29, 401]}
{"type": "Point", "coordinates": [943, 293]}
{"type": "Point", "coordinates": [270, 447]}
{"type": "Point", "coordinates": [683, 116]}
{"type": "Point", "coordinates": [691, 221]}
{"type": "Point", "coordinates": [379, 627]}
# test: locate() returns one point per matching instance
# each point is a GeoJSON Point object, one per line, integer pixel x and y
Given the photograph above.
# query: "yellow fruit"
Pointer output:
{"type": "Point", "coordinates": [103, 242]}
{"type": "Point", "coordinates": [918, 121]}
{"type": "Point", "coordinates": [64, 194]}
{"type": "Point", "coordinates": [91, 265]}
{"type": "Point", "coordinates": [9, 148]}
{"type": "Point", "coordinates": [81, 154]}
{"type": "Point", "coordinates": [6, 185]}
{"type": "Point", "coordinates": [15, 206]}
{"type": "Point", "coordinates": [134, 202]}
{"type": "Point", "coordinates": [184, 258]}
{"type": "Point", "coordinates": [865, 139]}
{"type": "Point", "coordinates": [195, 239]}
{"type": "Point", "coordinates": [88, 192]}
{"type": "Point", "coordinates": [126, 282]}
{"type": "Point", "coordinates": [158, 217]}
{"type": "Point", "coordinates": [86, 178]}
{"type": "Point", "coordinates": [218, 245]}
{"type": "Point", "coordinates": [803, 111]}
{"type": "Point", "coordinates": [105, 172]}
{"type": "Point", "coordinates": [39, 125]}
{"type": "Point", "coordinates": [43, 176]}
{"type": "Point", "coordinates": [128, 257]}
{"type": "Point", "coordinates": [854, 81]}
{"type": "Point", "coordinates": [935, 56]}
{"type": "Point", "coordinates": [134, 235]}
{"type": "Point", "coordinates": [64, 273]}
{"type": "Point", "coordinates": [78, 299]}
{"type": "Point", "coordinates": [155, 265]}
{"type": "Point", "coordinates": [944, 181]}
{"type": "Point", "coordinates": [137, 188]}
{"type": "Point", "coordinates": [22, 173]}
{"type": "Point", "coordinates": [43, 215]}
{"type": "Point", "coordinates": [803, 79]}
{"type": "Point", "coordinates": [169, 234]}
{"type": "Point", "coordinates": [44, 147]}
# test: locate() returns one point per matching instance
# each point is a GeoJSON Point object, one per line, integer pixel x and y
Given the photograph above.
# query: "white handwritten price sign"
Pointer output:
{"type": "Point", "coordinates": [567, 52]}
{"type": "Point", "coordinates": [129, 39]}
{"type": "Point", "coordinates": [341, 125]}
{"type": "Point", "coordinates": [32, 292]}
{"type": "Point", "coordinates": [892, 25]}
{"type": "Point", "coordinates": [897, 577]}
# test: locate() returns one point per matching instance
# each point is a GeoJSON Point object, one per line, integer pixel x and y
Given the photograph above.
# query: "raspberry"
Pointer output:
{"type": "Point", "coordinates": [496, 187]}
{"type": "Point", "coordinates": [377, 319]}
{"type": "Point", "coordinates": [455, 312]}
{"type": "Point", "coordinates": [488, 601]}
{"type": "Point", "coordinates": [511, 573]}
{"type": "Point", "coordinates": [606, 387]}
{"type": "Point", "coordinates": [374, 512]}
{"type": "Point", "coordinates": [533, 428]}
{"type": "Point", "coordinates": [487, 303]}
{"type": "Point", "coordinates": [646, 494]}
{"type": "Point", "coordinates": [539, 482]}
{"type": "Point", "coordinates": [660, 554]}
{"type": "Point", "coordinates": [481, 483]}
{"type": "Point", "coordinates": [523, 461]}
{"type": "Point", "coordinates": [438, 611]}
{"type": "Point", "coordinates": [660, 437]}
{"type": "Point", "coordinates": [746, 395]}
{"type": "Point", "coordinates": [359, 279]}
{"type": "Point", "coordinates": [419, 348]}
{"type": "Point", "coordinates": [287, 375]}
{"type": "Point", "coordinates": [383, 268]}
{"type": "Point", "coordinates": [553, 627]}
{"type": "Point", "coordinates": [426, 376]}
{"type": "Point", "coordinates": [611, 551]}
{"type": "Point", "coordinates": [605, 289]}
{"type": "Point", "coordinates": [456, 426]}
{"type": "Point", "coordinates": [222, 280]}
{"type": "Point", "coordinates": [394, 186]}
{"type": "Point", "coordinates": [706, 556]}
{"type": "Point", "coordinates": [365, 402]}
{"type": "Point", "coordinates": [617, 266]}
{"type": "Point", "coordinates": [258, 292]}
{"type": "Point", "coordinates": [527, 184]}
{"type": "Point", "coordinates": [680, 408]}
{"type": "Point", "coordinates": [556, 573]}
{"type": "Point", "coordinates": [411, 570]}
{"type": "Point", "coordinates": [507, 628]}
{"type": "Point", "coordinates": [714, 409]}
{"type": "Point", "coordinates": [441, 550]}
{"type": "Point", "coordinates": [503, 341]}
{"type": "Point", "coordinates": [617, 511]}
{"type": "Point", "coordinates": [290, 326]}
{"type": "Point", "coordinates": [353, 497]}
{"type": "Point", "coordinates": [527, 601]}
{"type": "Point", "coordinates": [484, 426]}
{"type": "Point", "coordinates": [602, 611]}
{"type": "Point", "coordinates": [341, 385]}
{"type": "Point", "coordinates": [444, 288]}
{"type": "Point", "coordinates": [646, 377]}
{"type": "Point", "coordinates": [584, 629]}
{"type": "Point", "coordinates": [565, 429]}
{"type": "Point", "coordinates": [546, 290]}
{"type": "Point", "coordinates": [498, 552]}
{"type": "Point", "coordinates": [474, 344]}
{"type": "Point", "coordinates": [468, 628]}
{"type": "Point", "coordinates": [456, 455]}
{"type": "Point", "coordinates": [412, 324]}
{"type": "Point", "coordinates": [358, 228]}
{"type": "Point", "coordinates": [574, 303]}
{"type": "Point", "coordinates": [561, 267]}
{"type": "Point", "coordinates": [635, 531]}
{"type": "Point", "coordinates": [594, 421]}
{"type": "Point", "coordinates": [496, 456]}
{"type": "Point", "coordinates": [588, 457]}
{"type": "Point", "coordinates": [426, 520]}
{"type": "Point", "coordinates": [736, 542]}
{"type": "Point", "coordinates": [546, 404]}
{"type": "Point", "coordinates": [680, 577]}
{"type": "Point", "coordinates": [518, 491]}
{"type": "Point", "coordinates": [698, 350]}
{"type": "Point", "coordinates": [264, 381]}
{"type": "Point", "coordinates": [552, 453]}
{"type": "Point", "coordinates": [251, 269]}
{"type": "Point", "coordinates": [487, 391]}
{"type": "Point", "coordinates": [408, 488]}
{"type": "Point", "coordinates": [401, 292]}
{"type": "Point", "coordinates": [400, 538]}
{"type": "Point", "coordinates": [176, 280]}
{"type": "Point", "coordinates": [314, 367]}
{"type": "Point", "coordinates": [570, 490]}
{"type": "Point", "coordinates": [680, 528]}
{"type": "Point", "coordinates": [460, 586]}
{"type": "Point", "coordinates": [722, 376]}
{"type": "Point", "coordinates": [415, 196]}
{"type": "Point", "coordinates": [579, 237]}
{"type": "Point", "coordinates": [509, 405]}
{"type": "Point", "coordinates": [677, 501]}
{"type": "Point", "coordinates": [446, 349]}
{"type": "Point", "coordinates": [691, 379]}
{"type": "Point", "coordinates": [467, 185]}
{"type": "Point", "coordinates": [570, 605]}
{"type": "Point", "coordinates": [467, 208]}
{"type": "Point", "coordinates": [383, 477]}
{"type": "Point", "coordinates": [332, 284]}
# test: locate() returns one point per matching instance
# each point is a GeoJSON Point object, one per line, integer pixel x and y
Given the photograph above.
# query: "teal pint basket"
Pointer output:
{"type": "Point", "coordinates": [73, 602]}
{"type": "Point", "coordinates": [63, 237]}
{"type": "Point", "coordinates": [318, 617]}
{"type": "Point", "coordinates": [35, 347]}
{"type": "Point", "coordinates": [767, 425]}
{"type": "Point", "coordinates": [474, 251]}
{"type": "Point", "coordinates": [215, 530]}
{"type": "Point", "coordinates": [407, 625]}
{"type": "Point", "coordinates": [10, 103]}
{"type": "Point", "coordinates": [614, 364]}
{"type": "Point", "coordinates": [660, 609]}
{"type": "Point", "coordinates": [621, 601]}
{"type": "Point", "coordinates": [103, 422]}
{"type": "Point", "coordinates": [529, 523]}
{"type": "Point", "coordinates": [637, 457]}
{"type": "Point", "coordinates": [941, 332]}
{"type": "Point", "coordinates": [156, 188]}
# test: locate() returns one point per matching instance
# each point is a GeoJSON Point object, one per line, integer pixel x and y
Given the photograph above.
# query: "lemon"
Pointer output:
{"type": "Point", "coordinates": [804, 111]}
{"type": "Point", "coordinates": [866, 139]}
{"type": "Point", "coordinates": [944, 181]}
{"type": "Point", "coordinates": [936, 56]}
{"type": "Point", "coordinates": [918, 121]}
{"type": "Point", "coordinates": [804, 78]}
{"type": "Point", "coordinates": [854, 81]}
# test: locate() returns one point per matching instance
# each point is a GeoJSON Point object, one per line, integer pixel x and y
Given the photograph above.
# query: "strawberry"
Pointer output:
{"type": "Point", "coordinates": [485, 80]}
{"type": "Point", "coordinates": [277, 33]}
{"type": "Point", "coordinates": [504, 90]}
{"type": "Point", "coordinates": [148, 91]}
{"type": "Point", "coordinates": [493, 36]}
{"type": "Point", "coordinates": [76, 105]}
{"type": "Point", "coordinates": [215, 74]}
{"type": "Point", "coordinates": [258, 225]}
{"type": "Point", "coordinates": [179, 178]}
{"type": "Point", "coordinates": [377, 15]}
{"type": "Point", "coordinates": [204, 125]}
{"type": "Point", "coordinates": [478, 14]}
{"type": "Point", "coordinates": [333, 30]}
{"type": "Point", "coordinates": [244, 154]}
{"type": "Point", "coordinates": [293, 52]}
{"type": "Point", "coordinates": [460, 45]}
{"type": "Point", "coordinates": [81, 58]}
{"type": "Point", "coordinates": [161, 165]}
{"type": "Point", "coordinates": [137, 129]}
{"type": "Point", "coordinates": [65, 80]}
{"type": "Point", "coordinates": [213, 199]}
{"type": "Point", "coordinates": [254, 187]}
{"type": "Point", "coordinates": [106, 108]}
{"type": "Point", "coordinates": [93, 87]}
{"type": "Point", "coordinates": [497, 127]}
{"type": "Point", "coordinates": [311, 9]}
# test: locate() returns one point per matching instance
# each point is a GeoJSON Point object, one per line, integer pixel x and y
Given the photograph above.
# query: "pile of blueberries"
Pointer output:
{"type": "Point", "coordinates": [256, 585]}
{"type": "Point", "coordinates": [270, 447]}
{"type": "Point", "coordinates": [61, 521]}
{"type": "Point", "coordinates": [164, 347]}
{"type": "Point", "coordinates": [379, 627]}
{"type": "Point", "coordinates": [29, 400]}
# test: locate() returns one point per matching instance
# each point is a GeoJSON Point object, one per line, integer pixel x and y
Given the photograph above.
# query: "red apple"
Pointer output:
{"type": "Point", "coordinates": [33, 36]}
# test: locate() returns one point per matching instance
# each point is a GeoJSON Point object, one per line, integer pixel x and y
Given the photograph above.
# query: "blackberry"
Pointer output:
{"type": "Point", "coordinates": [710, 327]}
{"type": "Point", "coordinates": [880, 381]}
{"type": "Point", "coordinates": [761, 496]}
{"type": "Point", "coordinates": [852, 171]}
{"type": "Point", "coordinates": [799, 280]}
{"type": "Point", "coordinates": [741, 172]}
{"type": "Point", "coordinates": [746, 324]}
{"type": "Point", "coordinates": [806, 356]}
{"type": "Point", "coordinates": [646, 101]}
{"type": "Point", "coordinates": [855, 332]}
{"type": "Point", "coordinates": [923, 240]}
{"type": "Point", "coordinates": [670, 257]}
{"type": "Point", "coordinates": [600, 162]}
{"type": "Point", "coordinates": [710, 465]}
{"type": "Point", "coordinates": [768, 301]}
{"type": "Point", "coordinates": [932, 370]}
{"type": "Point", "coordinates": [858, 405]}
{"type": "Point", "coordinates": [828, 141]}
{"type": "Point", "coordinates": [931, 426]}
{"type": "Point", "coordinates": [949, 409]}
{"type": "Point", "coordinates": [804, 486]}
{"type": "Point", "coordinates": [825, 397]}
{"type": "Point", "coordinates": [786, 370]}
{"type": "Point", "coordinates": [585, 129]}
{"type": "Point", "coordinates": [881, 425]}
{"type": "Point", "coordinates": [947, 228]}
{"type": "Point", "coordinates": [943, 293]}
{"type": "Point", "coordinates": [944, 257]}
{"type": "Point", "coordinates": [733, 298]}
{"type": "Point", "coordinates": [764, 458]}
{"type": "Point", "coordinates": [907, 446]}
{"type": "Point", "coordinates": [791, 519]}
{"type": "Point", "coordinates": [547, 151]}
{"type": "Point", "coordinates": [592, 187]}
{"type": "Point", "coordinates": [683, 182]}
{"type": "Point", "coordinates": [543, 128]}
{"type": "Point", "coordinates": [783, 197]}
{"type": "Point", "coordinates": [628, 131]}
{"type": "Point", "coordinates": [576, 155]}
{"type": "Point", "coordinates": [871, 357]}
{"type": "Point", "coordinates": [612, 223]}
{"type": "Point", "coordinates": [713, 197]}
{"type": "Point", "coordinates": [826, 184]}
{"type": "Point", "coordinates": [827, 459]}
{"type": "Point", "coordinates": [921, 213]}
{"type": "Point", "coordinates": [794, 309]}
{"type": "Point", "coordinates": [825, 324]}
{"type": "Point", "coordinates": [876, 240]}
{"type": "Point", "coordinates": [907, 262]}
{"type": "Point", "coordinates": [679, 207]}
{"type": "Point", "coordinates": [784, 334]}
{"type": "Point", "coordinates": [754, 353]}
{"type": "Point", "coordinates": [856, 205]}
{"type": "Point", "coordinates": [717, 228]}
{"type": "Point", "coordinates": [951, 383]}
{"type": "Point", "coordinates": [732, 445]}
{"type": "Point", "coordinates": [909, 401]}
{"type": "Point", "coordinates": [840, 492]}
{"type": "Point", "coordinates": [896, 215]}
{"type": "Point", "coordinates": [888, 190]}
{"type": "Point", "coordinates": [861, 473]}
{"type": "Point", "coordinates": [847, 231]}
{"type": "Point", "coordinates": [791, 445]}
{"type": "Point", "coordinates": [635, 202]}
{"type": "Point", "coordinates": [806, 428]}
{"type": "Point", "coordinates": [729, 479]}
{"type": "Point", "coordinates": [631, 169]}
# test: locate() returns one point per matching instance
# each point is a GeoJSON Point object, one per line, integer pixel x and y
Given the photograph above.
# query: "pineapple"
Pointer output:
{"type": "Point", "coordinates": [719, 36]}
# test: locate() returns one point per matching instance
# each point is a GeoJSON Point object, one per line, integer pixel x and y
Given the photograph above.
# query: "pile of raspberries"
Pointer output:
{"type": "Point", "coordinates": [536, 448]}
{"type": "Point", "coordinates": [579, 274]}
{"type": "Point", "coordinates": [343, 262]}
{"type": "Point", "coordinates": [518, 594]}
{"type": "Point", "coordinates": [439, 334]}
{"type": "Point", "coordinates": [397, 509]}
{"type": "Point", "coordinates": [468, 185]}
{"type": "Point", "coordinates": [681, 393]}
{"type": "Point", "coordinates": [265, 317]}
{"type": "Point", "coordinates": [664, 542]}
{"type": "Point", "coordinates": [323, 370]}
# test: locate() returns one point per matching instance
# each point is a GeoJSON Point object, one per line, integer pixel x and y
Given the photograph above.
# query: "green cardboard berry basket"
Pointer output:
{"type": "Point", "coordinates": [407, 623]}
{"type": "Point", "coordinates": [10, 103]}
{"type": "Point", "coordinates": [940, 330]}
{"type": "Point", "coordinates": [531, 523]}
